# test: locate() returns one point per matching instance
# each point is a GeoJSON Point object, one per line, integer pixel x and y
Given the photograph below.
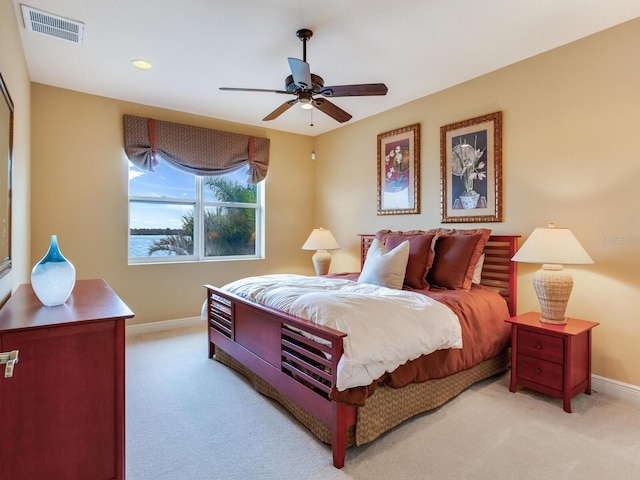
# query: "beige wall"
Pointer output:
{"type": "Point", "coordinates": [14, 71]}
{"type": "Point", "coordinates": [571, 156]}
{"type": "Point", "coordinates": [79, 192]}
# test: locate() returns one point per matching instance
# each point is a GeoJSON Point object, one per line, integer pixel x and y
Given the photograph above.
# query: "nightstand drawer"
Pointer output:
{"type": "Point", "coordinates": [540, 371]}
{"type": "Point", "coordinates": [540, 346]}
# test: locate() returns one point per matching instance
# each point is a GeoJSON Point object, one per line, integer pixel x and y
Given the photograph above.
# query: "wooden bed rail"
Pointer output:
{"type": "Point", "coordinates": [297, 357]}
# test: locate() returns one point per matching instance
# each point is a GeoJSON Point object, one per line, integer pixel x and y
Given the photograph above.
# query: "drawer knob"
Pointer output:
{"type": "Point", "coordinates": [538, 370]}
{"type": "Point", "coordinates": [538, 346]}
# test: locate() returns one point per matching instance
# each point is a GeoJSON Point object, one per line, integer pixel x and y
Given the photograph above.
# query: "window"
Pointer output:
{"type": "Point", "coordinates": [177, 216]}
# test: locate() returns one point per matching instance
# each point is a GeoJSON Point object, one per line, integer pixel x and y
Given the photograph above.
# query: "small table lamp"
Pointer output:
{"type": "Point", "coordinates": [321, 240]}
{"type": "Point", "coordinates": [552, 247]}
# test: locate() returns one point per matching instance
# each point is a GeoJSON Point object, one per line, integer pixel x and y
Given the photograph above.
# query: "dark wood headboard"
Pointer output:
{"type": "Point", "coordinates": [498, 272]}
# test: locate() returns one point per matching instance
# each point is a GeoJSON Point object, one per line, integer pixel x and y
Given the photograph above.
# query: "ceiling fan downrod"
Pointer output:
{"type": "Point", "coordinates": [304, 34]}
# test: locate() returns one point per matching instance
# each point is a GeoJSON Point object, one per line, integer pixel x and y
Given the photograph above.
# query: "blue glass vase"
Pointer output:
{"type": "Point", "coordinates": [53, 277]}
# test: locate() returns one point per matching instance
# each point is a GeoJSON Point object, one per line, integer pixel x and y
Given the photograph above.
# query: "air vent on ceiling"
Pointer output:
{"type": "Point", "coordinates": [52, 25]}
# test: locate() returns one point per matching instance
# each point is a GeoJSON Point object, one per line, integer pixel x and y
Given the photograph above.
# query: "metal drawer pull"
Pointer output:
{"type": "Point", "coordinates": [10, 359]}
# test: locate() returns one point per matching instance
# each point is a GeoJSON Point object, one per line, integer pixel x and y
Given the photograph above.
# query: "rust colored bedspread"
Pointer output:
{"type": "Point", "coordinates": [481, 311]}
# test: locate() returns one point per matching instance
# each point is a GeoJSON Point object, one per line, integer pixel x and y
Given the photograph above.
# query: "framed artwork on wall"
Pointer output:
{"type": "Point", "coordinates": [471, 170]}
{"type": "Point", "coordinates": [399, 171]}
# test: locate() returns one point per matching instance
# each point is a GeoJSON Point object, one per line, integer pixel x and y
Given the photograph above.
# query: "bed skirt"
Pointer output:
{"type": "Point", "coordinates": [387, 407]}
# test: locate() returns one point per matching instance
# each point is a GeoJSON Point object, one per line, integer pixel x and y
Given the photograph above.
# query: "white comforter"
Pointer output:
{"type": "Point", "coordinates": [385, 328]}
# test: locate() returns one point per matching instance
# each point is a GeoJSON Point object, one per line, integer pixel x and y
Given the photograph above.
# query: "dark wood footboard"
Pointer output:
{"type": "Point", "coordinates": [297, 357]}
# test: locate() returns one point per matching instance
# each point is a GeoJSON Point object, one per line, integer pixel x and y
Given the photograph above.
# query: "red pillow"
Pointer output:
{"type": "Point", "coordinates": [383, 234]}
{"type": "Point", "coordinates": [421, 256]}
{"type": "Point", "coordinates": [454, 262]}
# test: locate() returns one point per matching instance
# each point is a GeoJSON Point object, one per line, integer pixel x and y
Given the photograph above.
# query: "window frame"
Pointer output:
{"type": "Point", "coordinates": [199, 206]}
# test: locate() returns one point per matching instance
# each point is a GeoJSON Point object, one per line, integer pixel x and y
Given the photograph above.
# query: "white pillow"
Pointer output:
{"type": "Point", "coordinates": [383, 267]}
{"type": "Point", "coordinates": [477, 271]}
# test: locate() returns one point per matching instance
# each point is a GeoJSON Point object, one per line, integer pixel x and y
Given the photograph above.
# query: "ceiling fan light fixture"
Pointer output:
{"type": "Point", "coordinates": [305, 100]}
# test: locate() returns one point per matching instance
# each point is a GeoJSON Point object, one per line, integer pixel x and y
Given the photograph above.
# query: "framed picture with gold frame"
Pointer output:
{"type": "Point", "coordinates": [471, 170]}
{"type": "Point", "coordinates": [399, 171]}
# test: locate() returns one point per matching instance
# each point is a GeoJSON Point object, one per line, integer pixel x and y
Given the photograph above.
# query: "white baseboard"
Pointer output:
{"type": "Point", "coordinates": [624, 391]}
{"type": "Point", "coordinates": [154, 327]}
{"type": "Point", "coordinates": [600, 384]}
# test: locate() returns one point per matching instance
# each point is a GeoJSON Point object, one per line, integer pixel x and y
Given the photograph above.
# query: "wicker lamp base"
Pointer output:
{"type": "Point", "coordinates": [553, 286]}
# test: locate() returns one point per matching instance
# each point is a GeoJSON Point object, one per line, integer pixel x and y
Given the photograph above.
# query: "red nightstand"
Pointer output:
{"type": "Point", "coordinates": [551, 359]}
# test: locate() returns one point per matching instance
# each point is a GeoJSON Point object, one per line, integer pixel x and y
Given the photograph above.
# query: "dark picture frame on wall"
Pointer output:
{"type": "Point", "coordinates": [399, 171]}
{"type": "Point", "coordinates": [6, 169]}
{"type": "Point", "coordinates": [471, 170]}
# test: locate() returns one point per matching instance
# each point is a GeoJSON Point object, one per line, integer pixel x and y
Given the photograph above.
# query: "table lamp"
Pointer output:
{"type": "Point", "coordinates": [552, 247]}
{"type": "Point", "coordinates": [321, 240]}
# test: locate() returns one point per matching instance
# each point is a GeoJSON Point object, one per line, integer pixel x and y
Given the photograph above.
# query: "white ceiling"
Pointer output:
{"type": "Point", "coordinates": [416, 47]}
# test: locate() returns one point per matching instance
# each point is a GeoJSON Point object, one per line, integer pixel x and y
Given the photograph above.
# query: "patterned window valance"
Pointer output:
{"type": "Point", "coordinates": [195, 150]}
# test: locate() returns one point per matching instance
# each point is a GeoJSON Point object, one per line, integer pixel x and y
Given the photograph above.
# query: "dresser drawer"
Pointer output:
{"type": "Point", "coordinates": [540, 371]}
{"type": "Point", "coordinates": [542, 346]}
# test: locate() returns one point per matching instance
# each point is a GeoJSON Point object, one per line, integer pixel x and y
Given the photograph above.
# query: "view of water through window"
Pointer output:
{"type": "Point", "coordinates": [139, 245]}
{"type": "Point", "coordinates": [163, 213]}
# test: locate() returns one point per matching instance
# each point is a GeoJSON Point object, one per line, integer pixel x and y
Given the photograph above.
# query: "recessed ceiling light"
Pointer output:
{"type": "Point", "coordinates": [141, 64]}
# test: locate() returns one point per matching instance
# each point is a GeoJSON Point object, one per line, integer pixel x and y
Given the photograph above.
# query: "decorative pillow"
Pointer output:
{"type": "Point", "coordinates": [475, 258]}
{"type": "Point", "coordinates": [383, 267]}
{"type": "Point", "coordinates": [456, 256]}
{"type": "Point", "coordinates": [383, 234]}
{"type": "Point", "coordinates": [421, 255]}
{"type": "Point", "coordinates": [477, 271]}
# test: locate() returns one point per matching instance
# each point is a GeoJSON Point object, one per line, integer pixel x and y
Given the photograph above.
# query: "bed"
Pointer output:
{"type": "Point", "coordinates": [296, 361]}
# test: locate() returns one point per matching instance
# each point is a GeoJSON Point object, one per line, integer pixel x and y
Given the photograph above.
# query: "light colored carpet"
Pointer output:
{"type": "Point", "coordinates": [189, 417]}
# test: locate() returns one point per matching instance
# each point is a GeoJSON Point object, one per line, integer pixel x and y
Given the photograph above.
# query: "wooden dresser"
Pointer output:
{"type": "Point", "coordinates": [62, 411]}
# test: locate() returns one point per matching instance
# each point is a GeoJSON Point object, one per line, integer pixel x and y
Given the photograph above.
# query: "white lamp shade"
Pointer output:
{"type": "Point", "coordinates": [553, 246]}
{"type": "Point", "coordinates": [320, 239]}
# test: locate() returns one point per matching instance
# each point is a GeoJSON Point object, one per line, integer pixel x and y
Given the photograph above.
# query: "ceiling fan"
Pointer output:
{"type": "Point", "coordinates": [309, 88]}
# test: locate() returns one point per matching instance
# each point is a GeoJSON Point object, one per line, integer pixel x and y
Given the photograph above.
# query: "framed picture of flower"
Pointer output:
{"type": "Point", "coordinates": [471, 170]}
{"type": "Point", "coordinates": [399, 171]}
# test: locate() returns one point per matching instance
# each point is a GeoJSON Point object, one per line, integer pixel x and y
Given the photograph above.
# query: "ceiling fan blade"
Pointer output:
{"type": "Point", "coordinates": [301, 73]}
{"type": "Point", "coordinates": [331, 109]}
{"type": "Point", "coordinates": [253, 90]}
{"type": "Point", "coordinates": [361, 90]}
{"type": "Point", "coordinates": [280, 110]}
